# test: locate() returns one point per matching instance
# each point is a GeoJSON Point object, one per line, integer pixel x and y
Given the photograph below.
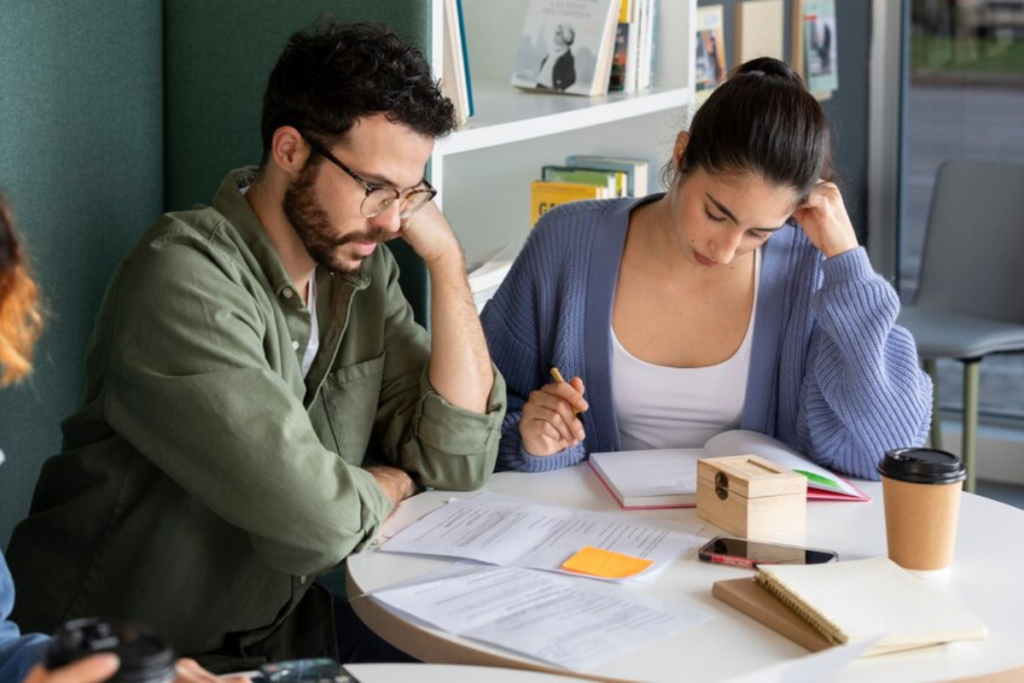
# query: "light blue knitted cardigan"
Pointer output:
{"type": "Point", "coordinates": [830, 374]}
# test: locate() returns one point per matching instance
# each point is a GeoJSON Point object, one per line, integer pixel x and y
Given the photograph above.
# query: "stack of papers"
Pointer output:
{"type": "Point", "coordinates": [557, 619]}
{"type": "Point", "coordinates": [515, 532]}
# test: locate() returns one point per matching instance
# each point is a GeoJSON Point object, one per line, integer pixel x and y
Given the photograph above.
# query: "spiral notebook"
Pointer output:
{"type": "Point", "coordinates": [850, 601]}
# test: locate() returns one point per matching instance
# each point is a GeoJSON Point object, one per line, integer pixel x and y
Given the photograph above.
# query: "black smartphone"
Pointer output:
{"type": "Point", "coordinates": [741, 552]}
{"type": "Point", "coordinates": [317, 670]}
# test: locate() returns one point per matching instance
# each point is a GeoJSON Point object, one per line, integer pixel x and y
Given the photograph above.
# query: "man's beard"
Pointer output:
{"type": "Point", "coordinates": [313, 226]}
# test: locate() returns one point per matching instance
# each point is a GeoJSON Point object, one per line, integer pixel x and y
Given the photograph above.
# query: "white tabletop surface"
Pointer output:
{"type": "Point", "coordinates": [448, 673]}
{"type": "Point", "coordinates": [985, 579]}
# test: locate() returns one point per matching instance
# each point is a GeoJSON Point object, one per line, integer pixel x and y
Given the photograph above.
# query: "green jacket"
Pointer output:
{"type": "Point", "coordinates": [203, 482]}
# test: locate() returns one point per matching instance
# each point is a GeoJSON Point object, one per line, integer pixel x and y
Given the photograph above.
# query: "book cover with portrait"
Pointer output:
{"type": "Point", "coordinates": [709, 67]}
{"type": "Point", "coordinates": [566, 46]}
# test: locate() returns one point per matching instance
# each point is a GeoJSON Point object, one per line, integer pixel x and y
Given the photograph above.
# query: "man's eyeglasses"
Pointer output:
{"type": "Point", "coordinates": [379, 198]}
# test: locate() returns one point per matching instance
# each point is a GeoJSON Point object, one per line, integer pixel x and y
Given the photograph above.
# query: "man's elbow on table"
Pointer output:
{"type": "Point", "coordinates": [315, 551]}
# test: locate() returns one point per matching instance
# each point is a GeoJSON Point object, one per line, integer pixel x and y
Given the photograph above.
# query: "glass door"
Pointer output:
{"type": "Point", "coordinates": [963, 98]}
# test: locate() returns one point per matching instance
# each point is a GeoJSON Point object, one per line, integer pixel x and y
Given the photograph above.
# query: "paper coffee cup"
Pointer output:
{"type": "Point", "coordinates": [921, 493]}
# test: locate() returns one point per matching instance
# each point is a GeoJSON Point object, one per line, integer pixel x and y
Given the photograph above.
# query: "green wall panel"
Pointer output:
{"type": "Point", "coordinates": [81, 160]}
{"type": "Point", "coordinates": [218, 56]}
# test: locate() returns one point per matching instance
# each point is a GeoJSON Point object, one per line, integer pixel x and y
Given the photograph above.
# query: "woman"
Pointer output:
{"type": "Point", "coordinates": [739, 298]}
{"type": "Point", "coordinates": [20, 326]}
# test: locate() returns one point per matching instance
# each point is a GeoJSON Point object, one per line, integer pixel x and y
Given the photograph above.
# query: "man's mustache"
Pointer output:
{"type": "Point", "coordinates": [379, 236]}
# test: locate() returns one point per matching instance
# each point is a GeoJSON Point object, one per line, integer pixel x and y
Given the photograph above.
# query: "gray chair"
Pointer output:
{"type": "Point", "coordinates": [971, 298]}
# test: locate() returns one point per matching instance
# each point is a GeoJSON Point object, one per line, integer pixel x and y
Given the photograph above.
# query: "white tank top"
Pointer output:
{"type": "Point", "coordinates": [665, 407]}
{"type": "Point", "coordinates": [314, 329]}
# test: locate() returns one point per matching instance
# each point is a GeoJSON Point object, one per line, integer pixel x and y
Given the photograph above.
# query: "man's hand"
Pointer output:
{"type": "Point", "coordinates": [428, 233]}
{"type": "Point", "coordinates": [189, 671]}
{"type": "Point", "coordinates": [101, 667]}
{"type": "Point", "coordinates": [397, 484]}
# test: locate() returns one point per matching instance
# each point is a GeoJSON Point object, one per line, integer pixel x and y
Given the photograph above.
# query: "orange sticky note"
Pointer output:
{"type": "Point", "coordinates": [605, 563]}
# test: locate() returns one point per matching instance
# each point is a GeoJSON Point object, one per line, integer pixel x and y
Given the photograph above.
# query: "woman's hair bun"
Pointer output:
{"type": "Point", "coordinates": [768, 67]}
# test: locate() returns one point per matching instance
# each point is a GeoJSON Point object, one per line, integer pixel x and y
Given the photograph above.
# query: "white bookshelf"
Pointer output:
{"type": "Point", "coordinates": [483, 172]}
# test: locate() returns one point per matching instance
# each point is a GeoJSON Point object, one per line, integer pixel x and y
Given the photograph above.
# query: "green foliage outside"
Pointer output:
{"type": "Point", "coordinates": [938, 54]}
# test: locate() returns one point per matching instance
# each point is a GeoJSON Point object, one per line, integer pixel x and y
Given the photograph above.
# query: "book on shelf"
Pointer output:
{"type": "Point", "coordinates": [618, 79]}
{"type": "Point", "coordinates": [567, 46]}
{"type": "Point", "coordinates": [546, 195]}
{"type": "Point", "coordinates": [822, 605]}
{"type": "Point", "coordinates": [709, 67]}
{"type": "Point", "coordinates": [625, 70]}
{"type": "Point", "coordinates": [636, 170]}
{"type": "Point", "coordinates": [615, 181]}
{"type": "Point", "coordinates": [486, 272]}
{"type": "Point", "coordinates": [455, 80]}
{"type": "Point", "coordinates": [649, 23]}
{"type": "Point", "coordinates": [758, 30]}
{"type": "Point", "coordinates": [465, 57]}
{"type": "Point", "coordinates": [665, 478]}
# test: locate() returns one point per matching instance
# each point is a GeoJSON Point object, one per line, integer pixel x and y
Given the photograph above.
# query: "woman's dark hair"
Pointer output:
{"type": "Point", "coordinates": [332, 74]}
{"type": "Point", "coordinates": [761, 120]}
{"type": "Point", "coordinates": [20, 319]}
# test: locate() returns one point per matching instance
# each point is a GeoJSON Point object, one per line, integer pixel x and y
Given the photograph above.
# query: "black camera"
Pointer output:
{"type": "Point", "coordinates": [145, 656]}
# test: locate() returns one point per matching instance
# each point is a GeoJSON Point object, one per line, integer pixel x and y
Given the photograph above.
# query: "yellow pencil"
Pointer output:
{"type": "Point", "coordinates": [557, 376]}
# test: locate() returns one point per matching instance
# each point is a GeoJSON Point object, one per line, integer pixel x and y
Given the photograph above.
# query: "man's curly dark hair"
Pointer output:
{"type": "Point", "coordinates": [332, 74]}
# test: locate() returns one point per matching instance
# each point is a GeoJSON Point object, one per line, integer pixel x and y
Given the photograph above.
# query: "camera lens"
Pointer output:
{"type": "Point", "coordinates": [145, 657]}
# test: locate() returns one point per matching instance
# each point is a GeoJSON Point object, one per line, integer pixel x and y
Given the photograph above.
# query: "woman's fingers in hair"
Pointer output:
{"type": "Point", "coordinates": [824, 219]}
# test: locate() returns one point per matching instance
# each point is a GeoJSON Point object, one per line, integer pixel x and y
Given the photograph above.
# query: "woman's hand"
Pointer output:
{"type": "Point", "coordinates": [549, 425]}
{"type": "Point", "coordinates": [101, 667]}
{"type": "Point", "coordinates": [824, 220]}
{"type": "Point", "coordinates": [94, 669]}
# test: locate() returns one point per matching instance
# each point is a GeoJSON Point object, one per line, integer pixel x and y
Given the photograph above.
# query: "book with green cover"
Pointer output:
{"type": "Point", "coordinates": [636, 170]}
{"type": "Point", "coordinates": [615, 181]}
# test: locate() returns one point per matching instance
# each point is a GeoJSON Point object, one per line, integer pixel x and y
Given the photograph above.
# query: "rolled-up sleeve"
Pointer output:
{"type": "Point", "coordinates": [191, 388]}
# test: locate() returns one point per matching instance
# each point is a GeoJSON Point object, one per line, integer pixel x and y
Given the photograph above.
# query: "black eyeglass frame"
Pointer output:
{"type": "Point", "coordinates": [401, 196]}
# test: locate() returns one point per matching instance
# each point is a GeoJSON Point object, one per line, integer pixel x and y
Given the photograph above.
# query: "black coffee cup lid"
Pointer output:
{"type": "Point", "coordinates": [922, 466]}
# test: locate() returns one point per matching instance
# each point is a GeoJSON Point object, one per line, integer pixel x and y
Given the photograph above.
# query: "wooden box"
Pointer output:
{"type": "Point", "coordinates": [752, 497]}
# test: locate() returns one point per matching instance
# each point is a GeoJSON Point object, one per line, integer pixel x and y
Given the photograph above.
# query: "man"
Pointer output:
{"type": "Point", "coordinates": [247, 358]}
{"type": "Point", "coordinates": [560, 72]}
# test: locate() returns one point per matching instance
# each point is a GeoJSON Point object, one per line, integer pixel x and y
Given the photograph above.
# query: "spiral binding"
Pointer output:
{"type": "Point", "coordinates": [813, 617]}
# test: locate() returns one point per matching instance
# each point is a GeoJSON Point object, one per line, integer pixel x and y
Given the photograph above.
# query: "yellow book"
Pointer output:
{"type": "Point", "coordinates": [546, 195]}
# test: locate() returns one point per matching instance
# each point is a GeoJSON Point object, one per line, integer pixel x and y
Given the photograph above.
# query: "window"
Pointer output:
{"type": "Point", "coordinates": [963, 98]}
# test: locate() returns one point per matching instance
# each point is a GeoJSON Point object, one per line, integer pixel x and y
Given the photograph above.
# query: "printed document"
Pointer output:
{"type": "Point", "coordinates": [514, 532]}
{"type": "Point", "coordinates": [565, 621]}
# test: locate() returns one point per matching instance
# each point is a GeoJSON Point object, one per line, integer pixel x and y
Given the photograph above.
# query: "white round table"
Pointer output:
{"type": "Point", "coordinates": [447, 673]}
{"type": "Point", "coordinates": [985, 579]}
